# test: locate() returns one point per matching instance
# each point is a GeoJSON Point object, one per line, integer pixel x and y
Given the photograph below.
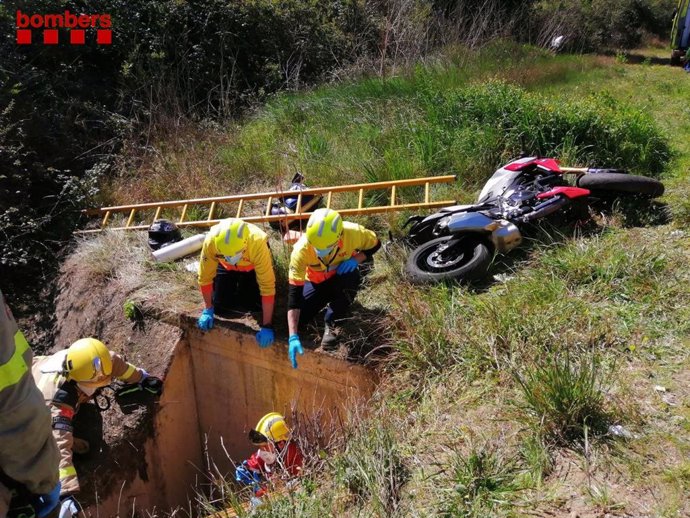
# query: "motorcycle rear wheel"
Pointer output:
{"type": "Point", "coordinates": [448, 258]}
{"type": "Point", "coordinates": [612, 183]}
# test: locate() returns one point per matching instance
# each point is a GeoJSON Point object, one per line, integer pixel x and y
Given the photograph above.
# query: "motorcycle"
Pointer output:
{"type": "Point", "coordinates": [460, 242]}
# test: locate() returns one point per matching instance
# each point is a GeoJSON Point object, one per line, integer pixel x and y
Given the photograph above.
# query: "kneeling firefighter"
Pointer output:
{"type": "Point", "coordinates": [276, 452]}
{"type": "Point", "coordinates": [236, 272]}
{"type": "Point", "coordinates": [70, 378]}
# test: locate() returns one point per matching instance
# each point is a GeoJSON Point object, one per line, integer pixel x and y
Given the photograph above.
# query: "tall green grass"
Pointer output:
{"type": "Point", "coordinates": [465, 113]}
{"type": "Point", "coordinates": [483, 481]}
{"type": "Point", "coordinates": [612, 291]}
{"type": "Point", "coordinates": [565, 396]}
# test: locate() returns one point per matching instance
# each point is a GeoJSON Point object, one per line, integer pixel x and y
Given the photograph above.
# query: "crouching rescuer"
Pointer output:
{"type": "Point", "coordinates": [236, 272]}
{"type": "Point", "coordinates": [324, 272]}
{"type": "Point", "coordinates": [70, 378]}
{"type": "Point", "coordinates": [276, 453]}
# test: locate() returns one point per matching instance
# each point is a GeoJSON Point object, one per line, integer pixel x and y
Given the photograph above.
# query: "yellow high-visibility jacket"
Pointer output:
{"type": "Point", "coordinates": [305, 265]}
{"type": "Point", "coordinates": [28, 453]}
{"type": "Point", "coordinates": [257, 256]}
{"type": "Point", "coordinates": [64, 398]}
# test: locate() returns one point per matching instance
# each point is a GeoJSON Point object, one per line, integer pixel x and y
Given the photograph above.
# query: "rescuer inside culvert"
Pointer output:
{"type": "Point", "coordinates": [70, 378]}
{"type": "Point", "coordinates": [277, 453]}
{"type": "Point", "coordinates": [324, 272]}
{"type": "Point", "coordinates": [236, 272]}
{"type": "Point", "coordinates": [29, 458]}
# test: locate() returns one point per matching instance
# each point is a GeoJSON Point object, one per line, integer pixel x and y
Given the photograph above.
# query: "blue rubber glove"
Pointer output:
{"type": "Point", "coordinates": [265, 337]}
{"type": "Point", "coordinates": [295, 349]}
{"type": "Point", "coordinates": [244, 475]}
{"type": "Point", "coordinates": [205, 321]}
{"type": "Point", "coordinates": [347, 266]}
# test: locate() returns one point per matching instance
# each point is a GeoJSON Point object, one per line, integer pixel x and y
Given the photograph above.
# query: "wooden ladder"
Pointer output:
{"type": "Point", "coordinates": [139, 215]}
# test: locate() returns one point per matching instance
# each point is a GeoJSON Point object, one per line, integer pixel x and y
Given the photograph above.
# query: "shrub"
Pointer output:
{"type": "Point", "coordinates": [602, 24]}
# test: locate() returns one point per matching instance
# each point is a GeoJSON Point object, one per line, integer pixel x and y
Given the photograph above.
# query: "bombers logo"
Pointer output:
{"type": "Point", "coordinates": [76, 23]}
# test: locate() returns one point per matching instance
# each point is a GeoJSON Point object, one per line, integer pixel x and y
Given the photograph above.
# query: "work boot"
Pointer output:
{"type": "Point", "coordinates": [329, 340]}
{"type": "Point", "coordinates": [80, 446]}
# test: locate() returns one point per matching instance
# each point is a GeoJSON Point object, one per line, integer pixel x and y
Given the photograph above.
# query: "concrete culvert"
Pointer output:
{"type": "Point", "coordinates": [156, 455]}
{"type": "Point", "coordinates": [217, 386]}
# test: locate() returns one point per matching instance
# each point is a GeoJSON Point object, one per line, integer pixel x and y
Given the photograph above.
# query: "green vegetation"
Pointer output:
{"type": "Point", "coordinates": [566, 399]}
{"type": "Point", "coordinates": [436, 120]}
{"type": "Point", "coordinates": [483, 482]}
{"type": "Point", "coordinates": [497, 398]}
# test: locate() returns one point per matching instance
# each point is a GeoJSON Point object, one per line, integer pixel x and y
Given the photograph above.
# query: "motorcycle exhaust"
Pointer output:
{"type": "Point", "coordinates": [503, 234]}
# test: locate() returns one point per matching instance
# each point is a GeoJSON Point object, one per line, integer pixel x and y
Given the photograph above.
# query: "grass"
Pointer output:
{"type": "Point", "coordinates": [566, 397]}
{"type": "Point", "coordinates": [453, 441]}
{"type": "Point", "coordinates": [124, 258]}
{"type": "Point", "coordinates": [482, 482]}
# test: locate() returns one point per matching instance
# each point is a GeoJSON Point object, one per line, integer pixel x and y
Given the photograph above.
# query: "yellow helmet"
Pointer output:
{"type": "Point", "coordinates": [324, 229]}
{"type": "Point", "coordinates": [271, 427]}
{"type": "Point", "coordinates": [86, 359]}
{"type": "Point", "coordinates": [232, 237]}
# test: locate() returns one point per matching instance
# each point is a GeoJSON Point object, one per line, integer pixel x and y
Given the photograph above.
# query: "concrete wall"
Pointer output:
{"type": "Point", "coordinates": [238, 382]}
{"type": "Point", "coordinates": [171, 454]}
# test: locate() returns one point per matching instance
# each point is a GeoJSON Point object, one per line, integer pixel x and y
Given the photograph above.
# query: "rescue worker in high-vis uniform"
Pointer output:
{"type": "Point", "coordinates": [277, 452]}
{"type": "Point", "coordinates": [28, 454]}
{"type": "Point", "coordinates": [236, 271]}
{"type": "Point", "coordinates": [324, 271]}
{"type": "Point", "coordinates": [70, 378]}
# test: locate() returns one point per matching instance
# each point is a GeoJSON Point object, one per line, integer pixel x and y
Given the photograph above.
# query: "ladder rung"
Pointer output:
{"type": "Point", "coordinates": [328, 199]}
{"type": "Point", "coordinates": [268, 206]}
{"type": "Point", "coordinates": [426, 192]}
{"type": "Point", "coordinates": [393, 196]}
{"type": "Point", "coordinates": [361, 198]}
{"type": "Point", "coordinates": [184, 213]}
{"type": "Point", "coordinates": [131, 217]}
{"type": "Point", "coordinates": [239, 208]}
{"type": "Point", "coordinates": [158, 213]}
{"type": "Point", "coordinates": [105, 219]}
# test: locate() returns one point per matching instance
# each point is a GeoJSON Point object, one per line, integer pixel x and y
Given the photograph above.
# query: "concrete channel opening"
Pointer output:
{"type": "Point", "coordinates": [217, 386]}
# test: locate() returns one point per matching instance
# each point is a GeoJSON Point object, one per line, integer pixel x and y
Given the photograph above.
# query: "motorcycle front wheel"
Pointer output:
{"type": "Point", "coordinates": [448, 258]}
{"type": "Point", "coordinates": [618, 183]}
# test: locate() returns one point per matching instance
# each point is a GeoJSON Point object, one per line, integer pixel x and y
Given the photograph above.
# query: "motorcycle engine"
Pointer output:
{"type": "Point", "coordinates": [523, 193]}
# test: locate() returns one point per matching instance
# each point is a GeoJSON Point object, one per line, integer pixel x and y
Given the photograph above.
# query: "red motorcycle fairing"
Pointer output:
{"type": "Point", "coordinates": [549, 164]}
{"type": "Point", "coordinates": [569, 192]}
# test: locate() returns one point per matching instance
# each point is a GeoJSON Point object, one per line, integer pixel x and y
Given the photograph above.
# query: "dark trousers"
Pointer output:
{"type": "Point", "coordinates": [337, 293]}
{"type": "Point", "coordinates": [236, 290]}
